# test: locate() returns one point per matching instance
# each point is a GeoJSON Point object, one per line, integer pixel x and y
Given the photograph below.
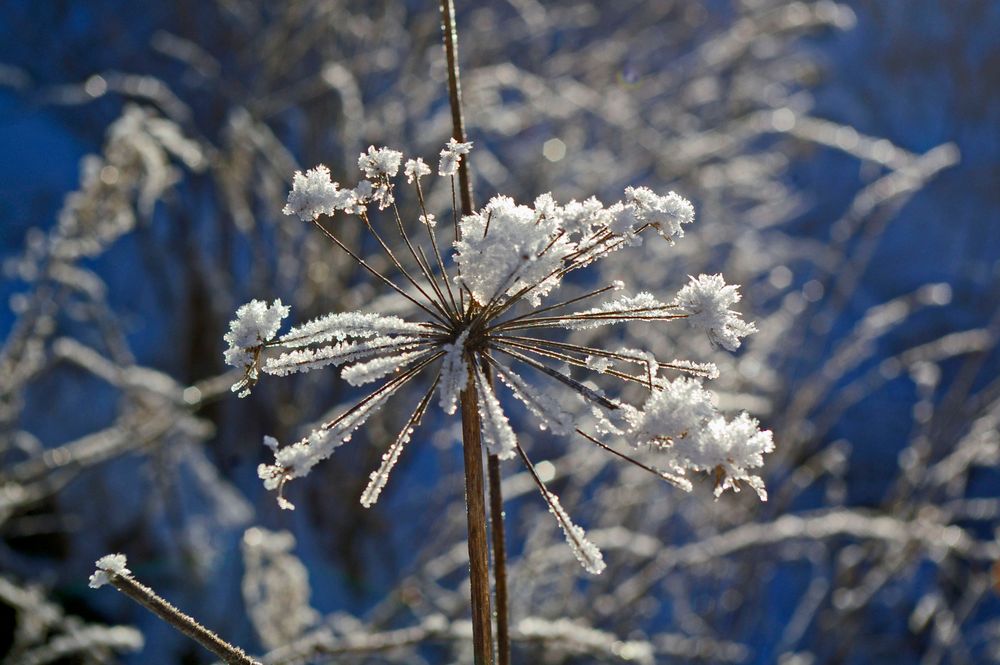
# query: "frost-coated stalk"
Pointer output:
{"type": "Point", "coordinates": [479, 574]}
{"type": "Point", "coordinates": [475, 502]}
{"type": "Point", "coordinates": [499, 561]}
{"type": "Point", "coordinates": [455, 98]}
{"type": "Point", "coordinates": [111, 570]}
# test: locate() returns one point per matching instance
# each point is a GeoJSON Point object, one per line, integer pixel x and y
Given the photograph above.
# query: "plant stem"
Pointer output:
{"type": "Point", "coordinates": [455, 97]}
{"type": "Point", "coordinates": [499, 561]}
{"type": "Point", "coordinates": [184, 623]}
{"type": "Point", "coordinates": [471, 436]}
{"type": "Point", "coordinates": [479, 573]}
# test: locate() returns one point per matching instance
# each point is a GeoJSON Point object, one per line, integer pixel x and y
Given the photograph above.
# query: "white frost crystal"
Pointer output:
{"type": "Point", "coordinates": [372, 370]}
{"type": "Point", "coordinates": [379, 162]}
{"type": "Point", "coordinates": [517, 250]}
{"type": "Point", "coordinates": [623, 309]}
{"type": "Point", "coordinates": [732, 447]}
{"type": "Point", "coordinates": [256, 323]}
{"type": "Point", "coordinates": [586, 552]}
{"type": "Point", "coordinates": [546, 408]}
{"type": "Point", "coordinates": [681, 423]}
{"type": "Point", "coordinates": [454, 373]}
{"type": "Point", "coordinates": [667, 214]}
{"type": "Point", "coordinates": [415, 169]}
{"type": "Point", "coordinates": [680, 408]}
{"type": "Point", "coordinates": [108, 565]}
{"type": "Point", "coordinates": [342, 325]}
{"type": "Point", "coordinates": [706, 300]}
{"type": "Point", "coordinates": [451, 157]}
{"type": "Point", "coordinates": [498, 436]}
{"type": "Point", "coordinates": [313, 194]}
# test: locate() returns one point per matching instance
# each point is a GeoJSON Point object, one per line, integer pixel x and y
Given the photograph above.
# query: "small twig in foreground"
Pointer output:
{"type": "Point", "coordinates": [111, 569]}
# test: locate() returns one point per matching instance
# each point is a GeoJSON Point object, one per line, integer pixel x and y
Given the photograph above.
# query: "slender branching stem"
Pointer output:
{"type": "Point", "coordinates": [499, 560]}
{"type": "Point", "coordinates": [385, 280]}
{"type": "Point", "coordinates": [479, 574]}
{"type": "Point", "coordinates": [184, 623]}
{"type": "Point", "coordinates": [455, 97]}
{"type": "Point", "coordinates": [482, 633]}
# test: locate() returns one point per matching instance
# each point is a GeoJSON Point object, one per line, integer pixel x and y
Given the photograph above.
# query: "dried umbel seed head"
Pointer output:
{"type": "Point", "coordinates": [493, 315]}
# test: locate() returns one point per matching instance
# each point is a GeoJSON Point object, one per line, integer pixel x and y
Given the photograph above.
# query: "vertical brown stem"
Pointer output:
{"type": "Point", "coordinates": [499, 560]}
{"type": "Point", "coordinates": [455, 96]}
{"type": "Point", "coordinates": [475, 501]}
{"type": "Point", "coordinates": [471, 437]}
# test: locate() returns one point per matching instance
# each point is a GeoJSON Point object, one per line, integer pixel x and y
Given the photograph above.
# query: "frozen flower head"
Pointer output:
{"type": "Point", "coordinates": [667, 214]}
{"type": "Point", "coordinates": [486, 319]}
{"type": "Point", "coordinates": [706, 299]}
{"type": "Point", "coordinates": [451, 157]}
{"type": "Point", "coordinates": [379, 162]}
{"type": "Point", "coordinates": [313, 194]}
{"type": "Point", "coordinates": [256, 323]}
{"type": "Point", "coordinates": [415, 170]}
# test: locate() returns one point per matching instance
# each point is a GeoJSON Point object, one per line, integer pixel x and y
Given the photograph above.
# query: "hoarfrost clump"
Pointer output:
{"type": "Point", "coordinates": [415, 169]}
{"type": "Point", "coordinates": [451, 157]}
{"type": "Point", "coordinates": [506, 247]}
{"type": "Point", "coordinates": [314, 194]}
{"type": "Point", "coordinates": [667, 214]}
{"type": "Point", "coordinates": [729, 448]}
{"type": "Point", "coordinates": [681, 421]}
{"type": "Point", "coordinates": [484, 318]}
{"type": "Point", "coordinates": [256, 323]}
{"type": "Point", "coordinates": [380, 162]}
{"type": "Point", "coordinates": [707, 300]}
{"type": "Point", "coordinates": [108, 565]}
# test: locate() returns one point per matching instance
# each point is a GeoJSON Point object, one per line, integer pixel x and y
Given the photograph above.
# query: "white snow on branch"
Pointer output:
{"type": "Point", "coordinates": [451, 156]}
{"type": "Point", "coordinates": [454, 373]}
{"type": "Point", "coordinates": [415, 169]}
{"type": "Point", "coordinates": [506, 247]}
{"type": "Point", "coordinates": [379, 162]}
{"type": "Point", "coordinates": [586, 552]}
{"type": "Point", "coordinates": [297, 459]}
{"type": "Point", "coordinates": [308, 359]}
{"type": "Point", "coordinates": [705, 370]}
{"type": "Point", "coordinates": [731, 448]}
{"type": "Point", "coordinates": [372, 370]}
{"type": "Point", "coordinates": [378, 479]}
{"type": "Point", "coordinates": [667, 214]}
{"type": "Point", "coordinates": [256, 323]}
{"type": "Point", "coordinates": [108, 565]}
{"type": "Point", "coordinates": [680, 408]}
{"type": "Point", "coordinates": [313, 194]}
{"type": "Point", "coordinates": [706, 300]}
{"type": "Point", "coordinates": [584, 640]}
{"type": "Point", "coordinates": [623, 309]}
{"type": "Point", "coordinates": [498, 436]}
{"type": "Point", "coordinates": [342, 325]}
{"type": "Point", "coordinates": [681, 423]}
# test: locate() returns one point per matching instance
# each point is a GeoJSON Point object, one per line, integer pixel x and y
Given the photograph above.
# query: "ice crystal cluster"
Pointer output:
{"type": "Point", "coordinates": [487, 314]}
{"type": "Point", "coordinates": [108, 565]}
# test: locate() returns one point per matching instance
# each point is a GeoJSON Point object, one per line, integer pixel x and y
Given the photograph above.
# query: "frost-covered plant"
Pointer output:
{"type": "Point", "coordinates": [484, 318]}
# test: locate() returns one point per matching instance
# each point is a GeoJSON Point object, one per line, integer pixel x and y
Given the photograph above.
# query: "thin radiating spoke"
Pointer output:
{"type": "Point", "coordinates": [385, 280]}
{"type": "Point", "coordinates": [589, 393]}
